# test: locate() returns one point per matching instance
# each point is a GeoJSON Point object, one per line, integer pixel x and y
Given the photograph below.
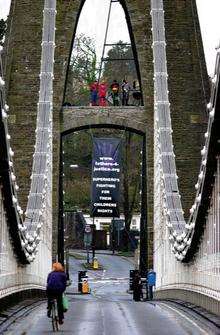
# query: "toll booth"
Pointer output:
{"type": "Point", "coordinates": [131, 279]}
{"type": "Point", "coordinates": [81, 275]}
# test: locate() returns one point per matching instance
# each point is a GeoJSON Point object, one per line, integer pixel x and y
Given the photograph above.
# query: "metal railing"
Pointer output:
{"type": "Point", "coordinates": [36, 229]}
{"type": "Point", "coordinates": [183, 235]}
{"type": "Point", "coordinates": [202, 274]}
{"type": "Point", "coordinates": [172, 234]}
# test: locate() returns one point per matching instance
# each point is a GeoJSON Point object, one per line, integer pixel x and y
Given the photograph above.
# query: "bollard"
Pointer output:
{"type": "Point", "coordinates": [81, 275]}
{"type": "Point", "coordinates": [95, 263]}
{"type": "Point", "coordinates": [85, 286]}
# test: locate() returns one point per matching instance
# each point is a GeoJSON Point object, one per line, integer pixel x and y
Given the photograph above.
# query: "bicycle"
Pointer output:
{"type": "Point", "coordinates": [54, 316]}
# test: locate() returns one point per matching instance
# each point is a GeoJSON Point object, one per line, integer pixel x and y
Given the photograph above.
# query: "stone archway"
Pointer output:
{"type": "Point", "coordinates": [100, 118]}
{"type": "Point", "coordinates": [127, 117]}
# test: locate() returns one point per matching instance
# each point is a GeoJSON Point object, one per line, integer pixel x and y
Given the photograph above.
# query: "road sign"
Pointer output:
{"type": "Point", "coordinates": [88, 229]}
{"type": "Point", "coordinates": [87, 239]}
{"type": "Point", "coordinates": [118, 223]}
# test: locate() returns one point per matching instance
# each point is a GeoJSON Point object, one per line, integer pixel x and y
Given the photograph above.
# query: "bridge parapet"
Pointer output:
{"type": "Point", "coordinates": [125, 116]}
{"type": "Point", "coordinates": [198, 281]}
{"type": "Point", "coordinates": [22, 231]}
{"type": "Point", "coordinates": [13, 277]}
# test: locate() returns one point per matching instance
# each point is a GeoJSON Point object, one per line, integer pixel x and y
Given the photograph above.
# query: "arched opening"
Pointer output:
{"type": "Point", "coordinates": [116, 59]}
{"type": "Point", "coordinates": [75, 191]}
{"type": "Point", "coordinates": [98, 53]}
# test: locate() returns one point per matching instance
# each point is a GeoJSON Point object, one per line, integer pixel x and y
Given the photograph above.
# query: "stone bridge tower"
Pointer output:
{"type": "Point", "coordinates": [188, 84]}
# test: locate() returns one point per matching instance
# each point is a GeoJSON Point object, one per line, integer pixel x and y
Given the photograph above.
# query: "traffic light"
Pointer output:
{"type": "Point", "coordinates": [131, 279]}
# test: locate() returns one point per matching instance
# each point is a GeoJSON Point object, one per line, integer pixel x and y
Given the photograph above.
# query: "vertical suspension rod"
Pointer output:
{"type": "Point", "coordinates": [105, 39]}
{"type": "Point", "coordinates": [143, 261]}
{"type": "Point", "coordinates": [60, 237]}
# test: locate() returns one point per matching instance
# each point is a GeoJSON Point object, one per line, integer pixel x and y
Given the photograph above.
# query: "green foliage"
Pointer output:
{"type": "Point", "coordinates": [122, 68]}
{"type": "Point", "coordinates": [83, 59]}
{"type": "Point", "coordinates": [77, 181]}
{"type": "Point", "coordinates": [82, 71]}
{"type": "Point", "coordinates": [130, 179]}
{"type": "Point", "coordinates": [3, 24]}
{"type": "Point", "coordinates": [77, 193]}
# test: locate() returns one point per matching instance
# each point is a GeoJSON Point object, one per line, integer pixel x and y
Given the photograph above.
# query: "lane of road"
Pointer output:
{"type": "Point", "coordinates": [110, 310]}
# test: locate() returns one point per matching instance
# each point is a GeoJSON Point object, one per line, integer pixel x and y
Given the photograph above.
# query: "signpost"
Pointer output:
{"type": "Point", "coordinates": [88, 229]}
{"type": "Point", "coordinates": [117, 226]}
{"type": "Point", "coordinates": [87, 239]}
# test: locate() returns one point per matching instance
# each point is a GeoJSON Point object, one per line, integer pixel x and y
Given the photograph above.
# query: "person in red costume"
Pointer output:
{"type": "Point", "coordinates": [94, 93]}
{"type": "Point", "coordinates": [102, 93]}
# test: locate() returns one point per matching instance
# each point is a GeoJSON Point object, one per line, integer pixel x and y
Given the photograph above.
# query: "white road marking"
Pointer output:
{"type": "Point", "coordinates": [90, 279]}
{"type": "Point", "coordinates": [186, 317]}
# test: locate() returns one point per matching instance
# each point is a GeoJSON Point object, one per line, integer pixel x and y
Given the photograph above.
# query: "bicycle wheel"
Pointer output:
{"type": "Point", "coordinates": [54, 315]}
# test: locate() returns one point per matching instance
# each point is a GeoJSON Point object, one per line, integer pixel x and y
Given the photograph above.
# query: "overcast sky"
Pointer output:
{"type": "Point", "coordinates": [208, 10]}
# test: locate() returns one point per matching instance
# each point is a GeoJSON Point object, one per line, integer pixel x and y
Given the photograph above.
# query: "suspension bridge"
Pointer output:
{"type": "Point", "coordinates": [180, 121]}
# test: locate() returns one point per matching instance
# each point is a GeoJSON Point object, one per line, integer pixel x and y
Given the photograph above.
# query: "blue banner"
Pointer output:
{"type": "Point", "coordinates": [106, 173]}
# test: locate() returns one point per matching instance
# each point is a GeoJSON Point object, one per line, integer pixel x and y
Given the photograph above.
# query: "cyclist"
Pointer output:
{"type": "Point", "coordinates": [56, 285]}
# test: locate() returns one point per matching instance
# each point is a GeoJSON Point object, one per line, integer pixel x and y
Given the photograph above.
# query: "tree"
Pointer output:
{"type": "Point", "coordinates": [77, 182]}
{"type": "Point", "coordinates": [130, 182]}
{"type": "Point", "coordinates": [77, 150]}
{"type": "Point", "coordinates": [82, 70]}
{"type": "Point", "coordinates": [3, 24]}
{"type": "Point", "coordinates": [119, 64]}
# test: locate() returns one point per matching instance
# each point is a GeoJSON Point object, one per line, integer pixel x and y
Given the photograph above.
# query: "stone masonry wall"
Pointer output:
{"type": "Point", "coordinates": [22, 62]}
{"type": "Point", "coordinates": [129, 116]}
{"type": "Point", "coordinates": [186, 69]}
{"type": "Point", "coordinates": [189, 92]}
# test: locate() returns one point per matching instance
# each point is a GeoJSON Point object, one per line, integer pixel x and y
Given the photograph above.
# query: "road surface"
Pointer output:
{"type": "Point", "coordinates": [110, 310]}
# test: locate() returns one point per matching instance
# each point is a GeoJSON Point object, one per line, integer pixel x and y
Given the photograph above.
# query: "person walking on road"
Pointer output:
{"type": "Point", "coordinates": [137, 287]}
{"type": "Point", "coordinates": [56, 285]}
{"type": "Point", "coordinates": [151, 282]}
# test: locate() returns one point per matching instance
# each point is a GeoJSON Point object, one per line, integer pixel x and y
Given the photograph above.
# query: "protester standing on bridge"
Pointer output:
{"type": "Point", "coordinates": [102, 90]}
{"type": "Point", "coordinates": [115, 92]}
{"type": "Point", "coordinates": [137, 96]}
{"type": "Point", "coordinates": [125, 87]}
{"type": "Point", "coordinates": [94, 93]}
{"type": "Point", "coordinates": [56, 285]}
